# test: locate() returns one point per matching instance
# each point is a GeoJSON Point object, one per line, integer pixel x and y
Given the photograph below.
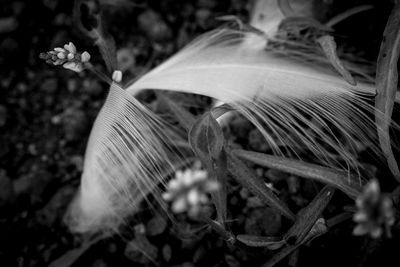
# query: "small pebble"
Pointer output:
{"type": "Point", "coordinates": [204, 18]}
{"type": "Point", "coordinates": [140, 250]}
{"type": "Point", "coordinates": [126, 59]}
{"type": "Point", "coordinates": [167, 252]}
{"type": "Point", "coordinates": [154, 26]}
{"type": "Point", "coordinates": [75, 123]}
{"type": "Point", "coordinates": [8, 25]}
{"type": "Point", "coordinates": [156, 226]}
{"type": "Point", "coordinates": [263, 221]}
{"type": "Point", "coordinates": [49, 85]}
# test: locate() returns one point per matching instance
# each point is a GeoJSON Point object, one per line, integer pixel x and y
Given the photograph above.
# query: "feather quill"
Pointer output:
{"type": "Point", "coordinates": [293, 104]}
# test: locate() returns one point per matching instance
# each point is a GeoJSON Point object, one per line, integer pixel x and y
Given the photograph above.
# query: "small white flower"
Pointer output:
{"type": "Point", "coordinates": [77, 67]}
{"type": "Point", "coordinates": [70, 47]}
{"type": "Point", "coordinates": [67, 56]}
{"type": "Point", "coordinates": [188, 190]}
{"type": "Point", "coordinates": [193, 197]}
{"type": "Point", "coordinates": [70, 56]}
{"type": "Point", "coordinates": [117, 76]}
{"type": "Point", "coordinates": [85, 57]}
{"type": "Point", "coordinates": [61, 55]}
{"type": "Point", "coordinates": [375, 214]}
{"type": "Point", "coordinates": [58, 62]}
{"type": "Point", "coordinates": [179, 205]}
{"type": "Point", "coordinates": [59, 49]}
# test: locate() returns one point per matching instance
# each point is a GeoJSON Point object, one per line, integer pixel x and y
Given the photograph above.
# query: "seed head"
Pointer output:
{"type": "Point", "coordinates": [117, 76]}
{"type": "Point", "coordinates": [375, 215]}
{"type": "Point", "coordinates": [188, 191]}
{"type": "Point", "coordinates": [67, 56]}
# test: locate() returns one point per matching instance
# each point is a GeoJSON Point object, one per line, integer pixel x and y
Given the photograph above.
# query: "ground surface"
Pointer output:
{"type": "Point", "coordinates": [45, 118]}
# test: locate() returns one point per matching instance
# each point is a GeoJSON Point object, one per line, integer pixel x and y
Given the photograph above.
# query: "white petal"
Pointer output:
{"type": "Point", "coordinates": [59, 49]}
{"type": "Point", "coordinates": [179, 205]}
{"type": "Point", "coordinates": [70, 47]}
{"type": "Point", "coordinates": [193, 197]}
{"type": "Point", "coordinates": [211, 186]}
{"type": "Point", "coordinates": [360, 217]}
{"type": "Point", "coordinates": [61, 55]}
{"type": "Point", "coordinates": [117, 76]}
{"type": "Point", "coordinates": [58, 62]}
{"type": "Point", "coordinates": [167, 196]}
{"type": "Point", "coordinates": [85, 57]}
{"type": "Point", "coordinates": [376, 233]}
{"type": "Point", "coordinates": [73, 66]}
{"type": "Point", "coordinates": [203, 198]}
{"type": "Point", "coordinates": [360, 230]}
{"type": "Point", "coordinates": [187, 178]}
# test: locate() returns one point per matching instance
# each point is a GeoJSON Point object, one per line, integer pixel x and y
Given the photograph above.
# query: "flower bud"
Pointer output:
{"type": "Point", "coordinates": [117, 76]}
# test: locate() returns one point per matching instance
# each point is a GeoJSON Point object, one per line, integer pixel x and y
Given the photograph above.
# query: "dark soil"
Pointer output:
{"type": "Point", "coordinates": [46, 115]}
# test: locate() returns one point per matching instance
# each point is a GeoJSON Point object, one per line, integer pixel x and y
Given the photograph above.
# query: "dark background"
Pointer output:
{"type": "Point", "coordinates": [46, 113]}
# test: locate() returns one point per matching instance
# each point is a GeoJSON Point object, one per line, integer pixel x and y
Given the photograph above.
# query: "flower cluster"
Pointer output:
{"type": "Point", "coordinates": [68, 57]}
{"type": "Point", "coordinates": [188, 190]}
{"type": "Point", "coordinates": [375, 214]}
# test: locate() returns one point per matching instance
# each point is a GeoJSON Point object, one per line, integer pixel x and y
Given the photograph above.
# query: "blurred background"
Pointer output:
{"type": "Point", "coordinates": [46, 114]}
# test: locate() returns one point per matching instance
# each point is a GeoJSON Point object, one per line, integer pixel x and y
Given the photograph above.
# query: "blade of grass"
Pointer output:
{"type": "Point", "coordinates": [306, 227]}
{"type": "Point", "coordinates": [184, 117]}
{"type": "Point", "coordinates": [71, 256]}
{"type": "Point", "coordinates": [220, 110]}
{"type": "Point", "coordinates": [206, 137]}
{"type": "Point", "coordinates": [284, 252]}
{"type": "Point", "coordinates": [220, 229]}
{"type": "Point", "coordinates": [348, 13]}
{"type": "Point", "coordinates": [335, 178]}
{"type": "Point", "coordinates": [87, 18]}
{"type": "Point", "coordinates": [270, 242]}
{"type": "Point", "coordinates": [207, 141]}
{"type": "Point", "coordinates": [286, 8]}
{"type": "Point", "coordinates": [329, 48]}
{"type": "Point", "coordinates": [220, 196]}
{"type": "Point", "coordinates": [216, 166]}
{"type": "Point", "coordinates": [246, 177]}
{"type": "Point", "coordinates": [386, 85]}
{"type": "Point", "coordinates": [309, 215]}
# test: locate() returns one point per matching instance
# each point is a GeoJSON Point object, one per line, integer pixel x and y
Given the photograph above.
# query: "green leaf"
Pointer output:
{"type": "Point", "coordinates": [309, 215]}
{"type": "Point", "coordinates": [270, 242]}
{"type": "Point", "coordinates": [286, 9]}
{"type": "Point", "coordinates": [184, 117]}
{"type": "Point", "coordinates": [220, 110]}
{"type": "Point", "coordinates": [329, 47]}
{"type": "Point", "coordinates": [346, 14]}
{"type": "Point", "coordinates": [87, 17]}
{"type": "Point", "coordinates": [106, 45]}
{"type": "Point", "coordinates": [306, 226]}
{"type": "Point", "coordinates": [386, 85]}
{"type": "Point", "coordinates": [282, 253]}
{"type": "Point", "coordinates": [207, 141]}
{"type": "Point", "coordinates": [206, 138]}
{"type": "Point", "coordinates": [245, 176]}
{"type": "Point", "coordinates": [216, 166]}
{"type": "Point", "coordinates": [71, 256]}
{"type": "Point", "coordinates": [220, 197]}
{"type": "Point", "coordinates": [220, 229]}
{"type": "Point", "coordinates": [335, 178]}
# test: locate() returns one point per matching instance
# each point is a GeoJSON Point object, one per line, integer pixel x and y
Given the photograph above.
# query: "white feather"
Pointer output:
{"type": "Point", "coordinates": [271, 91]}
{"type": "Point", "coordinates": [290, 102]}
{"type": "Point", "coordinates": [126, 158]}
